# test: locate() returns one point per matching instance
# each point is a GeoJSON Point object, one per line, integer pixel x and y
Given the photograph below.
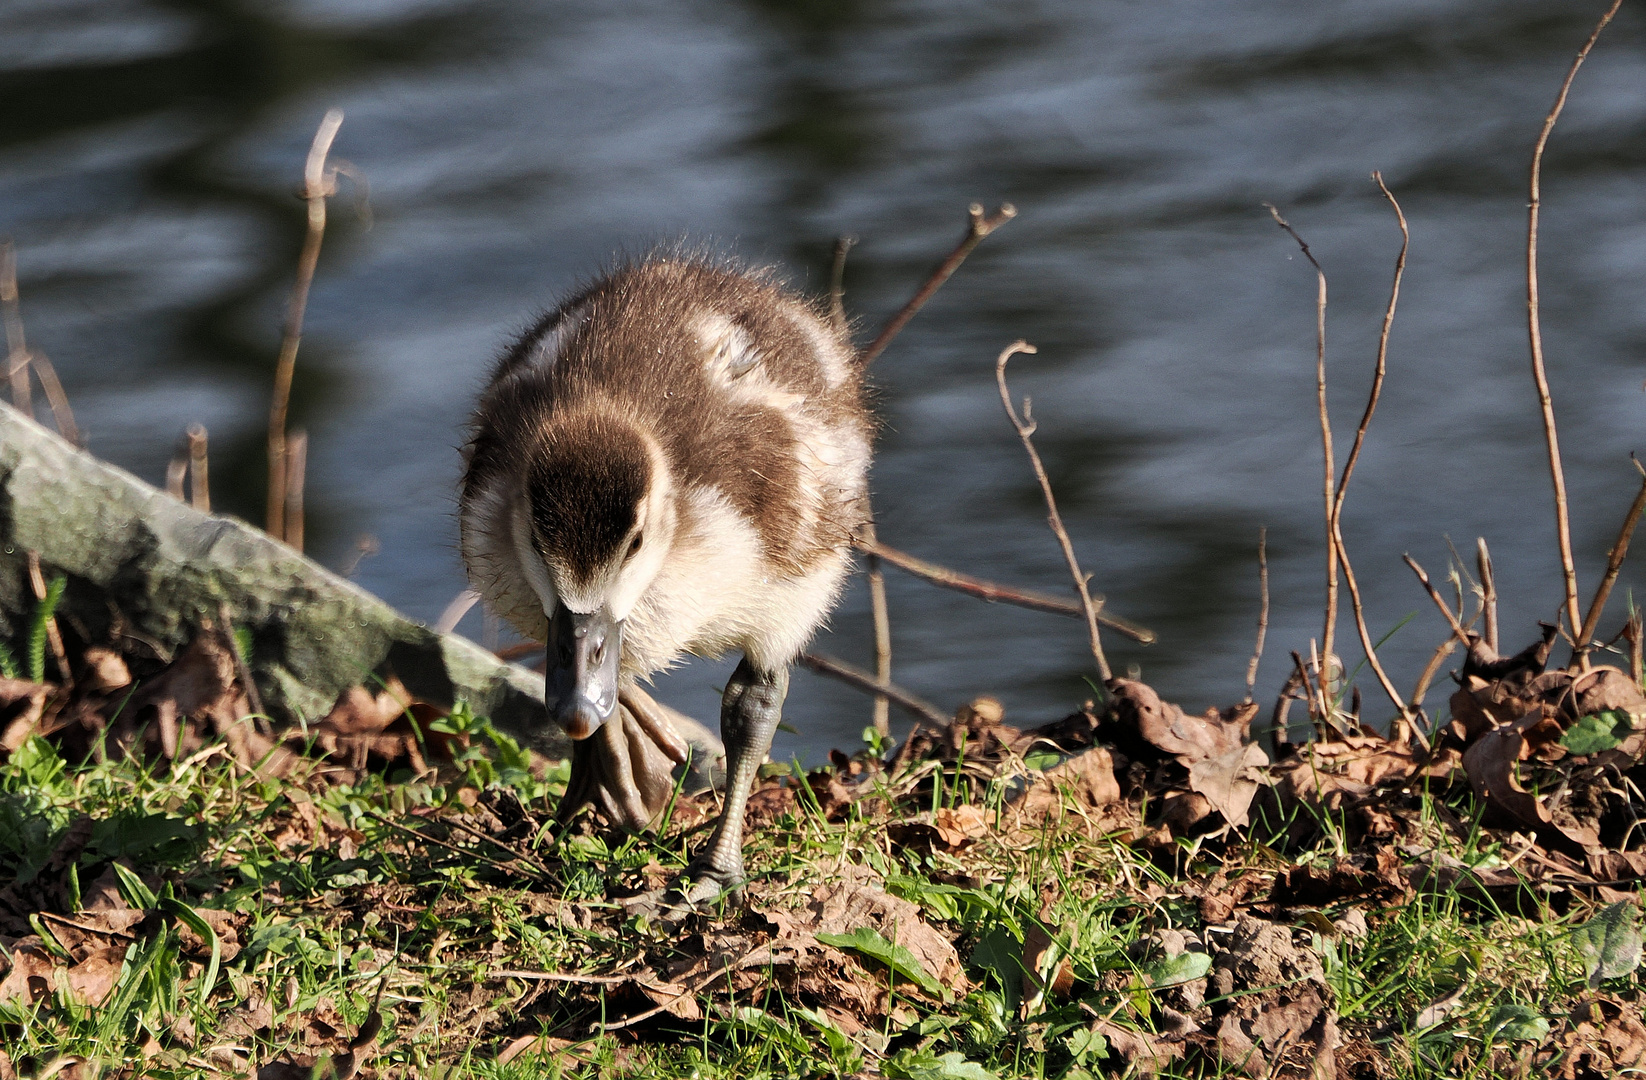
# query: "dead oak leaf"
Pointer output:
{"type": "Point", "coordinates": [1491, 764]}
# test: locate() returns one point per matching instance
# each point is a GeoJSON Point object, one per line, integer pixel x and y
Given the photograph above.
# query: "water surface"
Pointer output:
{"type": "Point", "coordinates": [149, 155]}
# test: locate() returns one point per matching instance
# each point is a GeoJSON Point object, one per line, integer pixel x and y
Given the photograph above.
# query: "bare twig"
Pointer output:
{"type": "Point", "coordinates": [1025, 430]}
{"type": "Point", "coordinates": [1327, 637]}
{"type": "Point", "coordinates": [516, 864]}
{"type": "Point", "coordinates": [555, 976]}
{"type": "Point", "coordinates": [459, 607]}
{"type": "Point", "coordinates": [254, 698]}
{"type": "Point", "coordinates": [1283, 705]}
{"type": "Point", "coordinates": [1614, 563]}
{"type": "Point", "coordinates": [365, 545]}
{"type": "Point", "coordinates": [882, 635]}
{"type": "Point", "coordinates": [1635, 634]}
{"type": "Point", "coordinates": [1488, 591]}
{"type": "Point", "coordinates": [695, 988]}
{"type": "Point", "coordinates": [1262, 610]}
{"type": "Point", "coordinates": [1440, 602]}
{"type": "Point", "coordinates": [1336, 499]}
{"type": "Point", "coordinates": [317, 185]}
{"type": "Point", "coordinates": [494, 842]}
{"type": "Point", "coordinates": [1382, 353]}
{"type": "Point", "coordinates": [37, 580]}
{"type": "Point", "coordinates": [853, 675]}
{"type": "Point", "coordinates": [1336, 509]}
{"type": "Point", "coordinates": [1326, 704]}
{"type": "Point", "coordinates": [992, 592]}
{"type": "Point", "coordinates": [1431, 669]}
{"type": "Point", "coordinates": [199, 477]}
{"type": "Point", "coordinates": [297, 464]}
{"type": "Point", "coordinates": [61, 414]}
{"type": "Point", "coordinates": [978, 225]}
{"type": "Point", "coordinates": [176, 469]}
{"type": "Point", "coordinates": [837, 283]}
{"type": "Point", "coordinates": [17, 346]}
{"type": "Point", "coordinates": [1301, 672]}
{"type": "Point", "coordinates": [1534, 328]}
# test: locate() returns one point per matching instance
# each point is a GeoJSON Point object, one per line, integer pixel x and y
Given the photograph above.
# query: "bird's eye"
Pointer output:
{"type": "Point", "coordinates": [634, 547]}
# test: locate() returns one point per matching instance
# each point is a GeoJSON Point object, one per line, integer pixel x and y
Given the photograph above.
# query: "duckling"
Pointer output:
{"type": "Point", "coordinates": [673, 461]}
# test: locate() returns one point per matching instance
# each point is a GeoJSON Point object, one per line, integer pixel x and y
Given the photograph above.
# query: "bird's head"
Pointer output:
{"type": "Point", "coordinates": [595, 524]}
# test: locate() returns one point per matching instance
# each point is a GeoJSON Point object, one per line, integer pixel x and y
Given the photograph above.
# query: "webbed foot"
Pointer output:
{"type": "Point", "coordinates": [626, 769]}
{"type": "Point", "coordinates": [699, 890]}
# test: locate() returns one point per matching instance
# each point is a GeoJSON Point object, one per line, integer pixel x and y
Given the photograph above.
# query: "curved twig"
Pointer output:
{"type": "Point", "coordinates": [993, 592]}
{"type": "Point", "coordinates": [852, 675]}
{"type": "Point", "coordinates": [1534, 329]}
{"type": "Point", "coordinates": [978, 225]}
{"type": "Point", "coordinates": [317, 185]}
{"type": "Point", "coordinates": [1025, 430]}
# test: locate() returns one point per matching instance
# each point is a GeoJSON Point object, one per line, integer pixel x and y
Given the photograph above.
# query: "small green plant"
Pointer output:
{"type": "Point", "coordinates": [38, 625]}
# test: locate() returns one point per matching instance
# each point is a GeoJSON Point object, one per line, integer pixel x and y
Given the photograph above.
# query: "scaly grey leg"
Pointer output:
{"type": "Point", "coordinates": [749, 713]}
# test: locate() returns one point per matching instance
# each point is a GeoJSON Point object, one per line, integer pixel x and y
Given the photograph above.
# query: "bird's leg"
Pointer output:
{"type": "Point", "coordinates": [749, 713]}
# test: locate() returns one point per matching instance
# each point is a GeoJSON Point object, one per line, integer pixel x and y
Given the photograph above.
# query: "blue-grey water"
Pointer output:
{"type": "Point", "coordinates": [150, 152]}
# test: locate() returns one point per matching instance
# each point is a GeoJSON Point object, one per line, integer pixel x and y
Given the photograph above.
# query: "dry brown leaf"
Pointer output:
{"type": "Point", "coordinates": [1606, 689]}
{"type": "Point", "coordinates": [1491, 763]}
{"type": "Point", "coordinates": [35, 973]}
{"type": "Point", "coordinates": [1088, 777]}
{"type": "Point", "coordinates": [958, 826]}
{"type": "Point", "coordinates": [1604, 1038]}
{"type": "Point", "coordinates": [1230, 781]}
{"type": "Point", "coordinates": [1036, 943]}
{"type": "Point", "coordinates": [102, 670]}
{"type": "Point", "coordinates": [1278, 1019]}
{"type": "Point", "coordinates": [678, 1001]}
{"type": "Point", "coordinates": [1160, 724]}
{"type": "Point", "coordinates": [22, 704]}
{"type": "Point", "coordinates": [359, 711]}
{"type": "Point", "coordinates": [1145, 1053]}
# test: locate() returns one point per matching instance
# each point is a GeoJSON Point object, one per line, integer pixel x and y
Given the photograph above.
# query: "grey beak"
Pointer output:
{"type": "Point", "coordinates": [582, 678]}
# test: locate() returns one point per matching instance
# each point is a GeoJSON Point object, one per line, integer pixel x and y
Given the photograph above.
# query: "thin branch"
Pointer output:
{"type": "Point", "coordinates": [297, 464]}
{"type": "Point", "coordinates": [1488, 591]}
{"type": "Point", "coordinates": [1382, 353]}
{"type": "Point", "coordinates": [459, 607]}
{"type": "Point", "coordinates": [1025, 431]}
{"type": "Point", "coordinates": [1301, 672]}
{"type": "Point", "coordinates": [1283, 706]}
{"type": "Point", "coordinates": [993, 592]}
{"type": "Point", "coordinates": [517, 862]}
{"type": "Point", "coordinates": [17, 346]}
{"type": "Point", "coordinates": [453, 822]}
{"type": "Point", "coordinates": [1336, 510]}
{"type": "Point", "coordinates": [1328, 636]}
{"type": "Point", "coordinates": [176, 470]}
{"type": "Point", "coordinates": [1614, 563]}
{"type": "Point", "coordinates": [1430, 670]}
{"type": "Point", "coordinates": [254, 698]}
{"type": "Point", "coordinates": [317, 185]}
{"type": "Point", "coordinates": [978, 225]}
{"type": "Point", "coordinates": [1635, 634]}
{"type": "Point", "coordinates": [837, 283]}
{"type": "Point", "coordinates": [199, 477]}
{"type": "Point", "coordinates": [61, 414]}
{"type": "Point", "coordinates": [1440, 602]}
{"type": "Point", "coordinates": [1262, 610]}
{"type": "Point", "coordinates": [852, 675]}
{"type": "Point", "coordinates": [365, 545]}
{"type": "Point", "coordinates": [1534, 329]}
{"type": "Point", "coordinates": [37, 580]}
{"type": "Point", "coordinates": [882, 634]}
